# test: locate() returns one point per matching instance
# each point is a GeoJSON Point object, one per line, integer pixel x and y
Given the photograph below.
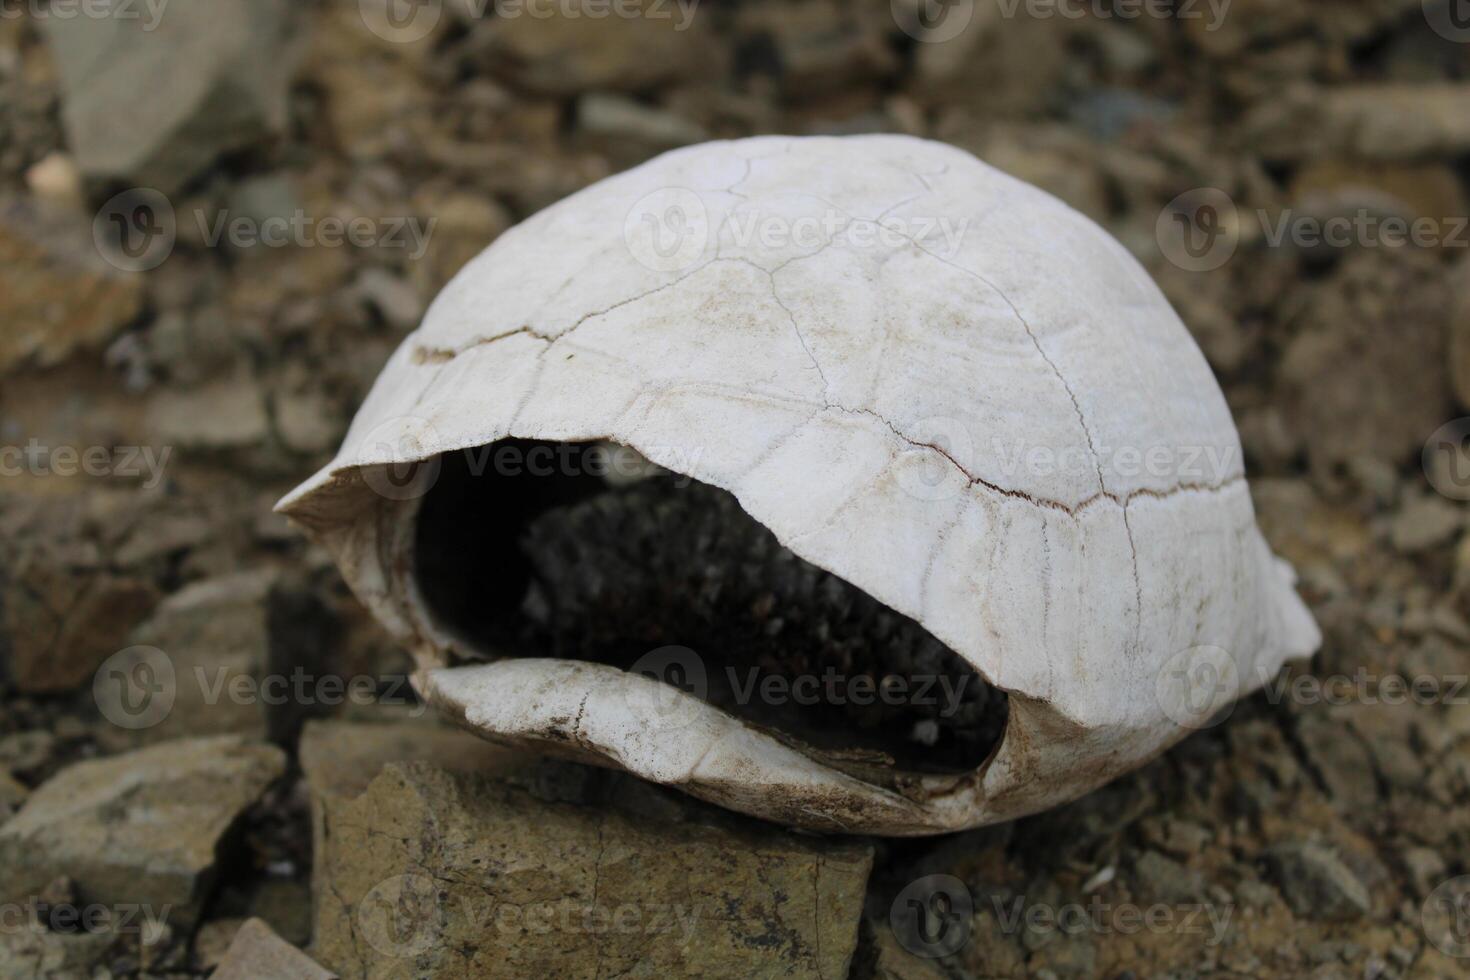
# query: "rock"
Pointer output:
{"type": "Point", "coordinates": [28, 752]}
{"type": "Point", "coordinates": [230, 657]}
{"type": "Point", "coordinates": [284, 904]}
{"type": "Point", "coordinates": [212, 941]}
{"type": "Point", "coordinates": [1426, 870]}
{"type": "Point", "coordinates": [61, 296]}
{"type": "Point", "coordinates": [226, 413]}
{"type": "Point", "coordinates": [140, 829]}
{"type": "Point", "coordinates": [1179, 838]}
{"type": "Point", "coordinates": [634, 127]}
{"type": "Point", "coordinates": [1329, 188]}
{"type": "Point", "coordinates": [1364, 336]}
{"type": "Point", "coordinates": [576, 49]}
{"type": "Point", "coordinates": [12, 796]}
{"type": "Point", "coordinates": [1342, 762]}
{"type": "Point", "coordinates": [340, 759]}
{"type": "Point", "coordinates": [822, 48]}
{"type": "Point", "coordinates": [443, 874]}
{"type": "Point", "coordinates": [881, 957]}
{"type": "Point", "coordinates": [1316, 883]}
{"type": "Point", "coordinates": [1364, 122]}
{"type": "Point", "coordinates": [1068, 956]}
{"type": "Point", "coordinates": [61, 623]}
{"type": "Point", "coordinates": [395, 298]}
{"type": "Point", "coordinates": [1460, 331]}
{"type": "Point", "coordinates": [56, 180]}
{"type": "Point", "coordinates": [1424, 523]}
{"type": "Point", "coordinates": [307, 420]}
{"type": "Point", "coordinates": [201, 69]}
{"type": "Point", "coordinates": [1165, 881]}
{"type": "Point", "coordinates": [993, 950]}
{"type": "Point", "coordinates": [375, 98]}
{"type": "Point", "coordinates": [29, 951]}
{"type": "Point", "coordinates": [257, 953]}
{"type": "Point", "coordinates": [468, 223]}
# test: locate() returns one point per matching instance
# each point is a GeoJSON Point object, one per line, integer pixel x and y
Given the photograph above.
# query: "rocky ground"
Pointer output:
{"type": "Point", "coordinates": [269, 786]}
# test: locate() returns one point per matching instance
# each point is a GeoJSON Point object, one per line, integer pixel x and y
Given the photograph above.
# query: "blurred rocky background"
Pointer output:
{"type": "Point", "coordinates": [219, 217]}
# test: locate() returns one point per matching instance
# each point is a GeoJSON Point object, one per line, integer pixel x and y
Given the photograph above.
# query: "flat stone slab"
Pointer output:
{"type": "Point", "coordinates": [139, 830]}
{"type": "Point", "coordinates": [433, 873]}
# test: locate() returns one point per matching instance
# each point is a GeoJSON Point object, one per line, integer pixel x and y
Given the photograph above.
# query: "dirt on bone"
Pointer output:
{"type": "Point", "coordinates": [611, 574]}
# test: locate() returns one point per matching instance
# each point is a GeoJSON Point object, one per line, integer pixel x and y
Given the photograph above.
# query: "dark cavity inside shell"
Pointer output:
{"type": "Point", "coordinates": [591, 568]}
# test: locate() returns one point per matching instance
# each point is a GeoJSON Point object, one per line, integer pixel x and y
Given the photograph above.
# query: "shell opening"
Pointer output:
{"type": "Point", "coordinates": [589, 552]}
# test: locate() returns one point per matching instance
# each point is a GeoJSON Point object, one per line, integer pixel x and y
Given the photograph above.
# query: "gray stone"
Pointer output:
{"type": "Point", "coordinates": [12, 795]}
{"type": "Point", "coordinates": [618, 117]}
{"type": "Point", "coordinates": [571, 52]}
{"type": "Point", "coordinates": [1166, 881]}
{"type": "Point", "coordinates": [438, 874]}
{"type": "Point", "coordinates": [140, 829]}
{"type": "Point", "coordinates": [216, 638]}
{"type": "Point", "coordinates": [32, 952]}
{"type": "Point", "coordinates": [61, 297]}
{"type": "Point", "coordinates": [62, 622]}
{"type": "Point", "coordinates": [340, 759]}
{"type": "Point", "coordinates": [1424, 523]}
{"type": "Point", "coordinates": [1316, 883]}
{"type": "Point", "coordinates": [225, 413]}
{"type": "Point", "coordinates": [257, 953]}
{"type": "Point", "coordinates": [28, 752]}
{"type": "Point", "coordinates": [154, 100]}
{"type": "Point", "coordinates": [395, 298]}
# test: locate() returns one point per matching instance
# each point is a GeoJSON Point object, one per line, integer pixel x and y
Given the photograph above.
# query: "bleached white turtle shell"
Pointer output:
{"type": "Point", "coordinates": [925, 376]}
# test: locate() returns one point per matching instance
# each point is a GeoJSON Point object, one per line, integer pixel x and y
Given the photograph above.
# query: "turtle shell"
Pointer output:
{"type": "Point", "coordinates": [924, 377]}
